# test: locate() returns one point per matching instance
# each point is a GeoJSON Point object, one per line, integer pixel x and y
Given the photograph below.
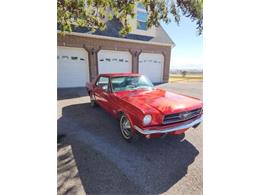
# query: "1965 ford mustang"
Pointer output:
{"type": "Point", "coordinates": [143, 109]}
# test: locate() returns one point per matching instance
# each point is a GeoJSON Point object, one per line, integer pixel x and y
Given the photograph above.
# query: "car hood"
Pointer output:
{"type": "Point", "coordinates": [157, 99]}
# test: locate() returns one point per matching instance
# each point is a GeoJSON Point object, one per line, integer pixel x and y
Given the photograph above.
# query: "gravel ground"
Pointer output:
{"type": "Point", "coordinates": [94, 159]}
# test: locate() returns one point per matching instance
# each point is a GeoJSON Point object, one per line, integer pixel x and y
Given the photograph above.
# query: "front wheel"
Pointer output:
{"type": "Point", "coordinates": [126, 130]}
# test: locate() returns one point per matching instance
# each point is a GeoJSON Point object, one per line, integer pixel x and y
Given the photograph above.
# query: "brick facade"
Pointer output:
{"type": "Point", "coordinates": [93, 45]}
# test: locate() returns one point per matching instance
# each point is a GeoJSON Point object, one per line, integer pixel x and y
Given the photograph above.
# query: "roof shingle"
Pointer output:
{"type": "Point", "coordinates": [114, 26]}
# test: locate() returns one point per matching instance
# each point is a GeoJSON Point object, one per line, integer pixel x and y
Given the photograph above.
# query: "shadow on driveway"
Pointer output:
{"type": "Point", "coordinates": [68, 181]}
{"type": "Point", "coordinates": [68, 93]}
{"type": "Point", "coordinates": [108, 164]}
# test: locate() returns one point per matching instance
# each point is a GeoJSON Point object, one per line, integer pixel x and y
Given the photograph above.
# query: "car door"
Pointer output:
{"type": "Point", "coordinates": [102, 92]}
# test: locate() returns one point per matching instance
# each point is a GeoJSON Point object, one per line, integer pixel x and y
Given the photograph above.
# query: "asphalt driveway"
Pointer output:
{"type": "Point", "coordinates": [94, 159]}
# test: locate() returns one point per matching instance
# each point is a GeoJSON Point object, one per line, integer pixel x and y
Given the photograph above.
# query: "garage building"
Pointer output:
{"type": "Point", "coordinates": [82, 55]}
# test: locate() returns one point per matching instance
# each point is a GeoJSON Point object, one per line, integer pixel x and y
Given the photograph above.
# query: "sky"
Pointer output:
{"type": "Point", "coordinates": [189, 45]}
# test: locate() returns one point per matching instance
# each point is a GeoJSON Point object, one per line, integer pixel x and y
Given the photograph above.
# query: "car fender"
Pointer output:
{"type": "Point", "coordinates": [131, 117]}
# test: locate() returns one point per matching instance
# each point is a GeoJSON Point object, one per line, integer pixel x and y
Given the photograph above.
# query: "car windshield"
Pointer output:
{"type": "Point", "coordinates": [130, 83]}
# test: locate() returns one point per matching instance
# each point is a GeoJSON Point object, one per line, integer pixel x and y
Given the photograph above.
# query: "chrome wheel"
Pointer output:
{"type": "Point", "coordinates": [125, 127]}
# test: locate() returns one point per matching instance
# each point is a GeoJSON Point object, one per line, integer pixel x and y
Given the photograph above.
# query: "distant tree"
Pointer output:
{"type": "Point", "coordinates": [184, 73]}
{"type": "Point", "coordinates": [94, 13]}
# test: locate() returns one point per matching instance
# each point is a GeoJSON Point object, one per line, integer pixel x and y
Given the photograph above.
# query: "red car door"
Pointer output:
{"type": "Point", "coordinates": [102, 92]}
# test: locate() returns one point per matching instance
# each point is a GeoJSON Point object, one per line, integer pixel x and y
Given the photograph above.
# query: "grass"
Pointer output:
{"type": "Point", "coordinates": [177, 77]}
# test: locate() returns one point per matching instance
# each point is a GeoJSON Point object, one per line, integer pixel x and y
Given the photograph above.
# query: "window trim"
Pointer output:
{"type": "Point", "coordinates": [109, 84]}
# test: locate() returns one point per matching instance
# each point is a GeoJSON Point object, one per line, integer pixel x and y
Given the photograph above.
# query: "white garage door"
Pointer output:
{"type": "Point", "coordinates": [73, 67]}
{"type": "Point", "coordinates": [151, 65]}
{"type": "Point", "coordinates": [114, 61]}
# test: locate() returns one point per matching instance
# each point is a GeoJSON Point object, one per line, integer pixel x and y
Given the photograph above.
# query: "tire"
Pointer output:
{"type": "Point", "coordinates": [126, 130]}
{"type": "Point", "coordinates": [92, 100]}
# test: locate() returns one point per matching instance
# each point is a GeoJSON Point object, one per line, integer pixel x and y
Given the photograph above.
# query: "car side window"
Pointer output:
{"type": "Point", "coordinates": [103, 83]}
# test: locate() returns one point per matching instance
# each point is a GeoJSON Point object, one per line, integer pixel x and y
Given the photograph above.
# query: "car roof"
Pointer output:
{"type": "Point", "coordinates": [119, 74]}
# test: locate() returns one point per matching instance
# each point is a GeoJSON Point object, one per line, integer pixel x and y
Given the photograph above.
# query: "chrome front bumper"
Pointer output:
{"type": "Point", "coordinates": [168, 130]}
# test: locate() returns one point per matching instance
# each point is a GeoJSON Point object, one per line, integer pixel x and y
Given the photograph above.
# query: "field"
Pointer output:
{"type": "Point", "coordinates": [188, 77]}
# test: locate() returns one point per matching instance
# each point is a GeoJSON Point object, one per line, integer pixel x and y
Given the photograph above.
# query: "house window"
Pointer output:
{"type": "Point", "coordinates": [65, 57]}
{"type": "Point", "coordinates": [139, 5]}
{"type": "Point", "coordinates": [74, 57]}
{"type": "Point", "coordinates": [142, 25]}
{"type": "Point", "coordinates": [142, 17]}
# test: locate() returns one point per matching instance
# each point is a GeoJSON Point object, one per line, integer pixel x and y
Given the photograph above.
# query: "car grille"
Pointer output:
{"type": "Point", "coordinates": [182, 116]}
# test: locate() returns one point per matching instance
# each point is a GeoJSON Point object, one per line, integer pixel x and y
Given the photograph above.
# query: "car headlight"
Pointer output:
{"type": "Point", "coordinates": [147, 119]}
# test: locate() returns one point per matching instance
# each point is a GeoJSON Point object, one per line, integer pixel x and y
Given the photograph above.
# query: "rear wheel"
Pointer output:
{"type": "Point", "coordinates": [126, 129]}
{"type": "Point", "coordinates": [92, 100]}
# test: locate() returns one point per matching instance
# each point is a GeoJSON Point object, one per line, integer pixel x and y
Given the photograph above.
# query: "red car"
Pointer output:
{"type": "Point", "coordinates": [142, 108]}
